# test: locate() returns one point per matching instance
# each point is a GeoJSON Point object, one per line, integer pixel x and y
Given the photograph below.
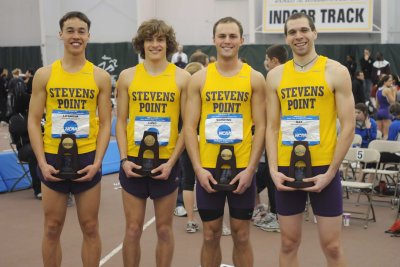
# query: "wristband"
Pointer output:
{"type": "Point", "coordinates": [121, 163]}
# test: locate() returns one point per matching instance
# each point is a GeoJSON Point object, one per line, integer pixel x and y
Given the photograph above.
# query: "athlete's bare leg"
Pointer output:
{"type": "Point", "coordinates": [164, 210]}
{"type": "Point", "coordinates": [55, 209]}
{"type": "Point", "coordinates": [188, 202]}
{"type": "Point", "coordinates": [290, 239]}
{"type": "Point", "coordinates": [211, 248]}
{"type": "Point", "coordinates": [87, 205]}
{"type": "Point", "coordinates": [134, 208]}
{"type": "Point", "coordinates": [242, 251]}
{"type": "Point", "coordinates": [330, 235]}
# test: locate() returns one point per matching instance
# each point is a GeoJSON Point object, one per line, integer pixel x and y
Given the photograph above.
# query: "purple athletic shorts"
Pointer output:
{"type": "Point", "coordinates": [144, 187]}
{"type": "Point", "coordinates": [327, 203]}
{"type": "Point", "coordinates": [69, 186]}
{"type": "Point", "coordinates": [216, 201]}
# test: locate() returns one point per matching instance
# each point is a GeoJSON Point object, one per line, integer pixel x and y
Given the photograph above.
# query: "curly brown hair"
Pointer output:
{"type": "Point", "coordinates": [153, 27]}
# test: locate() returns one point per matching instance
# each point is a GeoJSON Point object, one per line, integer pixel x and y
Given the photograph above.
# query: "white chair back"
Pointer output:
{"type": "Point", "coordinates": [385, 146]}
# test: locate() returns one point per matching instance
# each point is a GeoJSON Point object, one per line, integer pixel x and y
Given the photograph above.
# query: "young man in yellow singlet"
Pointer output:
{"type": "Point", "coordinates": [151, 96]}
{"type": "Point", "coordinates": [304, 98]}
{"type": "Point", "coordinates": [73, 92]}
{"type": "Point", "coordinates": [226, 97]}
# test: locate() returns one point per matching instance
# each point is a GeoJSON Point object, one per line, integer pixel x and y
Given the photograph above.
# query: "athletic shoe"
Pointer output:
{"type": "Point", "coordinates": [259, 211]}
{"type": "Point", "coordinates": [70, 201]}
{"type": "Point", "coordinates": [264, 220]}
{"type": "Point", "coordinates": [192, 227]}
{"type": "Point", "coordinates": [272, 226]}
{"type": "Point", "coordinates": [38, 196]}
{"type": "Point", "coordinates": [225, 229]}
{"type": "Point", "coordinates": [180, 211]}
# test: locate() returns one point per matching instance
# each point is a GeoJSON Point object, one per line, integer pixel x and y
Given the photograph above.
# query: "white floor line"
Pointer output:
{"type": "Point", "coordinates": [119, 247]}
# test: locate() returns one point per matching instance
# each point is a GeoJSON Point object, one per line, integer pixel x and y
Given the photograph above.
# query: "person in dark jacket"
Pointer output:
{"type": "Point", "coordinates": [358, 87]}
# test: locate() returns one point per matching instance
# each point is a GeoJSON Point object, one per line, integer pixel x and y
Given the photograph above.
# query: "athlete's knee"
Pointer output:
{"type": "Point", "coordinates": [332, 249]}
{"type": "Point", "coordinates": [90, 228]}
{"type": "Point", "coordinates": [52, 229]}
{"type": "Point", "coordinates": [212, 236]}
{"type": "Point", "coordinates": [133, 231]}
{"type": "Point", "coordinates": [164, 233]}
{"type": "Point", "coordinates": [289, 244]}
{"type": "Point", "coordinates": [240, 237]}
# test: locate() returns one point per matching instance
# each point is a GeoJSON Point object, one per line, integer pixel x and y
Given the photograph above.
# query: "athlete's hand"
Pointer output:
{"type": "Point", "coordinates": [88, 173]}
{"type": "Point", "coordinates": [48, 172]}
{"type": "Point", "coordinates": [279, 180]}
{"type": "Point", "coordinates": [165, 170]}
{"type": "Point", "coordinates": [244, 178]}
{"type": "Point", "coordinates": [128, 167]}
{"type": "Point", "coordinates": [320, 182]}
{"type": "Point", "coordinates": [205, 178]}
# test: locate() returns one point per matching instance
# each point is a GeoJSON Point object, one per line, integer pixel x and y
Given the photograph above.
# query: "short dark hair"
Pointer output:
{"type": "Point", "coordinates": [200, 57]}
{"type": "Point", "coordinates": [395, 109]}
{"type": "Point", "coordinates": [279, 52]}
{"type": "Point", "coordinates": [74, 14]}
{"type": "Point", "coordinates": [228, 20]}
{"type": "Point", "coordinates": [362, 107]}
{"type": "Point", "coordinates": [300, 15]}
{"type": "Point", "coordinates": [153, 27]}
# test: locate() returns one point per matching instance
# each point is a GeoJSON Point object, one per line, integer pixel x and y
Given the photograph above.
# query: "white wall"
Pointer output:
{"type": "Point", "coordinates": [117, 21]}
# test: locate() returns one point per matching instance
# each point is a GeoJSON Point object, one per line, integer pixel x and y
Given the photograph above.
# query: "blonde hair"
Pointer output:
{"type": "Point", "coordinates": [193, 67]}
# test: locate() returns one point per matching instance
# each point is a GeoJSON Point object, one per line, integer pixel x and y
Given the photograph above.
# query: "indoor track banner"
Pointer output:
{"type": "Point", "coordinates": [328, 15]}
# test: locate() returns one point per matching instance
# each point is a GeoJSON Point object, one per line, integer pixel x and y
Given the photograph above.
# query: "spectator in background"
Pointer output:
{"type": "Point", "coordinates": [379, 67]}
{"type": "Point", "coordinates": [199, 57]}
{"type": "Point", "coordinates": [268, 221]}
{"type": "Point", "coordinates": [394, 128]}
{"type": "Point", "coordinates": [366, 66]}
{"type": "Point", "coordinates": [385, 96]}
{"type": "Point", "coordinates": [28, 80]}
{"type": "Point", "coordinates": [179, 58]}
{"type": "Point", "coordinates": [351, 65]}
{"type": "Point", "coordinates": [213, 59]}
{"type": "Point", "coordinates": [3, 94]}
{"type": "Point", "coordinates": [365, 126]}
{"type": "Point", "coordinates": [358, 87]}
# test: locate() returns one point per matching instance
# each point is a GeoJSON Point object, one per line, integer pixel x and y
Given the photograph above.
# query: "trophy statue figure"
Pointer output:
{"type": "Point", "coordinates": [226, 158]}
{"type": "Point", "coordinates": [300, 165]}
{"type": "Point", "coordinates": [150, 143]}
{"type": "Point", "coordinates": [67, 158]}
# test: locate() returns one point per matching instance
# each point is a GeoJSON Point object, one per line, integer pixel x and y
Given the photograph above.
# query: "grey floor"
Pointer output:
{"type": "Point", "coordinates": [22, 219]}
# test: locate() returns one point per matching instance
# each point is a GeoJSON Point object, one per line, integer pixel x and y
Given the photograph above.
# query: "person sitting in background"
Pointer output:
{"type": "Point", "coordinates": [18, 128]}
{"type": "Point", "coordinates": [365, 126]}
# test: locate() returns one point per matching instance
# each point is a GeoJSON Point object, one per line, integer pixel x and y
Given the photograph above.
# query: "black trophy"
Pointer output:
{"type": "Point", "coordinates": [149, 142]}
{"type": "Point", "coordinates": [300, 165]}
{"type": "Point", "coordinates": [226, 157]}
{"type": "Point", "coordinates": [67, 158]}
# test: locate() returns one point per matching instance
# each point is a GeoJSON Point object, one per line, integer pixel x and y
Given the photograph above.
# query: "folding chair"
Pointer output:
{"type": "Point", "coordinates": [387, 148]}
{"type": "Point", "coordinates": [362, 156]}
{"type": "Point", "coordinates": [357, 140]}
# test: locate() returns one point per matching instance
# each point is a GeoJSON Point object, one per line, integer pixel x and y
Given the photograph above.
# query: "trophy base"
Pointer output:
{"type": "Point", "coordinates": [299, 184]}
{"type": "Point", "coordinates": [69, 175]}
{"type": "Point", "coordinates": [145, 172]}
{"type": "Point", "coordinates": [224, 187]}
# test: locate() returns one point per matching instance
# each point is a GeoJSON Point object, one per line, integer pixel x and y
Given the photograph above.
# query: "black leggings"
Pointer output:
{"type": "Point", "coordinates": [187, 172]}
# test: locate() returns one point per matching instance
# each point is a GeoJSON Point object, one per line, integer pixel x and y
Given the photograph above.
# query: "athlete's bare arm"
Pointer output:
{"type": "Point", "coordinates": [258, 115]}
{"type": "Point", "coordinates": [182, 79]}
{"type": "Point", "coordinates": [125, 79]}
{"type": "Point", "coordinates": [36, 108]}
{"type": "Point", "coordinates": [338, 78]}
{"type": "Point", "coordinates": [273, 109]}
{"type": "Point", "coordinates": [191, 120]}
{"type": "Point", "coordinates": [103, 81]}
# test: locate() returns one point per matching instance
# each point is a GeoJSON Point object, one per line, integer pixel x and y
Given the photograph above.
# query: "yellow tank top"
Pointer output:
{"type": "Point", "coordinates": [71, 106]}
{"type": "Point", "coordinates": [154, 104]}
{"type": "Point", "coordinates": [308, 113]}
{"type": "Point", "coordinates": [226, 116]}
